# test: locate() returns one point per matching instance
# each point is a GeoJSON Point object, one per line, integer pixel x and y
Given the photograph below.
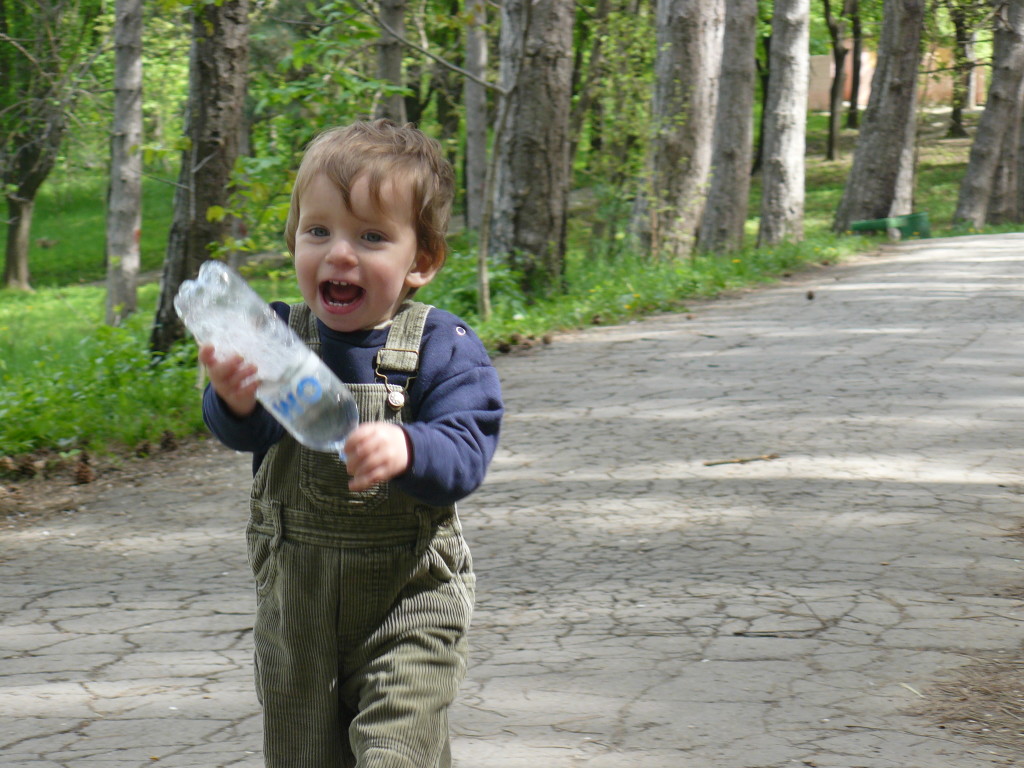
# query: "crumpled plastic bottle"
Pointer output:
{"type": "Point", "coordinates": [296, 387]}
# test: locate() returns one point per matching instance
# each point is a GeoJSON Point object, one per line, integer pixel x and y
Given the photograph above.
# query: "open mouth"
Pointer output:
{"type": "Point", "coordinates": [338, 294]}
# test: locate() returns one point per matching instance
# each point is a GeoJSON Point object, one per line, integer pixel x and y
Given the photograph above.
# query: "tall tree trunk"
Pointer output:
{"type": "Point", "coordinates": [595, 72]}
{"type": "Point", "coordinates": [124, 197]}
{"type": "Point", "coordinates": [475, 101]}
{"type": "Point", "coordinates": [217, 81]}
{"type": "Point", "coordinates": [903, 192]}
{"type": "Point", "coordinates": [725, 214]}
{"type": "Point", "coordinates": [23, 177]}
{"type": "Point", "coordinates": [389, 60]}
{"type": "Point", "coordinates": [533, 174]}
{"type": "Point", "coordinates": [782, 174]}
{"type": "Point", "coordinates": [1000, 116]}
{"type": "Point", "coordinates": [852, 11]}
{"type": "Point", "coordinates": [19, 227]}
{"type": "Point", "coordinates": [1018, 193]}
{"type": "Point", "coordinates": [764, 76]}
{"type": "Point", "coordinates": [836, 31]}
{"type": "Point", "coordinates": [874, 180]}
{"type": "Point", "coordinates": [1002, 202]}
{"type": "Point", "coordinates": [671, 201]}
{"type": "Point", "coordinates": [963, 66]}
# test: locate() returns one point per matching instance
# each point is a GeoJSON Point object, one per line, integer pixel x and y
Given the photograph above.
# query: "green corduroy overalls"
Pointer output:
{"type": "Point", "coordinates": [363, 599]}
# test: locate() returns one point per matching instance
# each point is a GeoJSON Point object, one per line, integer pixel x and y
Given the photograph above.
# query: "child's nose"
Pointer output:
{"type": "Point", "coordinates": [341, 252]}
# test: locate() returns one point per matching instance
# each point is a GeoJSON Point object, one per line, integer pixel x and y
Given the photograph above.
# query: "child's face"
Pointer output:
{"type": "Point", "coordinates": [355, 265]}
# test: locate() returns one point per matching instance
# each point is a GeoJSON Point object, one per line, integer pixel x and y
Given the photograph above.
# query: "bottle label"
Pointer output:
{"type": "Point", "coordinates": [306, 393]}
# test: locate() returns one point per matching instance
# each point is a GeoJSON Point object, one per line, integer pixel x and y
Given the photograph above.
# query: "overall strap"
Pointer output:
{"type": "Point", "coordinates": [401, 351]}
{"type": "Point", "coordinates": [302, 320]}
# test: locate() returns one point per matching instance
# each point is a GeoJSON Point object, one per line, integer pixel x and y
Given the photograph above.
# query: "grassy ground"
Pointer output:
{"type": "Point", "coordinates": [68, 228]}
{"type": "Point", "coordinates": [69, 384]}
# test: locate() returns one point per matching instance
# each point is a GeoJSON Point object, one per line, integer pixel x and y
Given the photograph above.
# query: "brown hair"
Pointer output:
{"type": "Point", "coordinates": [382, 150]}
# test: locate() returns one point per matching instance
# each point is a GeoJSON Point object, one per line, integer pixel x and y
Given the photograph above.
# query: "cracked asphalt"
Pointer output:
{"type": "Point", "coordinates": [755, 535]}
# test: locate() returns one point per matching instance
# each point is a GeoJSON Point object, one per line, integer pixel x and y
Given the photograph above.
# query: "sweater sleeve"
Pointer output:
{"type": "Point", "coordinates": [255, 433]}
{"type": "Point", "coordinates": [455, 433]}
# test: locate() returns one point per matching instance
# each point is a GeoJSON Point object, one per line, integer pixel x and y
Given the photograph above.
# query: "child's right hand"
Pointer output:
{"type": "Point", "coordinates": [233, 379]}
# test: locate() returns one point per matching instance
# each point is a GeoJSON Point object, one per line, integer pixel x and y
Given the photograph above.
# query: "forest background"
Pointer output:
{"type": "Point", "coordinates": [591, 141]}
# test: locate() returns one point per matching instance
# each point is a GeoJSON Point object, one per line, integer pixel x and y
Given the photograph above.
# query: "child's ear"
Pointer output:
{"type": "Point", "coordinates": [422, 271]}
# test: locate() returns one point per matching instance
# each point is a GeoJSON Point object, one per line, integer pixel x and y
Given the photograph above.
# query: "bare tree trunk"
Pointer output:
{"type": "Point", "coordinates": [389, 60]}
{"type": "Point", "coordinates": [874, 180]}
{"type": "Point", "coordinates": [782, 173]}
{"type": "Point", "coordinates": [1002, 204]}
{"type": "Point", "coordinates": [19, 226]}
{"type": "Point", "coordinates": [903, 192]}
{"type": "Point", "coordinates": [23, 178]}
{"type": "Point", "coordinates": [475, 100]}
{"type": "Point", "coordinates": [533, 174]}
{"type": "Point", "coordinates": [670, 204]}
{"type": "Point", "coordinates": [124, 198]}
{"type": "Point", "coordinates": [837, 31]}
{"type": "Point", "coordinates": [1017, 194]}
{"type": "Point", "coordinates": [725, 214]}
{"type": "Point", "coordinates": [852, 10]}
{"type": "Point", "coordinates": [963, 66]}
{"type": "Point", "coordinates": [596, 71]}
{"type": "Point", "coordinates": [1000, 116]}
{"type": "Point", "coordinates": [764, 76]}
{"type": "Point", "coordinates": [217, 80]}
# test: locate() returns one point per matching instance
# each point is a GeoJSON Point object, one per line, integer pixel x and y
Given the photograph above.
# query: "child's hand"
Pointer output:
{"type": "Point", "coordinates": [375, 453]}
{"type": "Point", "coordinates": [233, 379]}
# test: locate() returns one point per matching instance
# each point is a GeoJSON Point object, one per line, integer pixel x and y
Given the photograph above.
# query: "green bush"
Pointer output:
{"type": "Point", "coordinates": [84, 384]}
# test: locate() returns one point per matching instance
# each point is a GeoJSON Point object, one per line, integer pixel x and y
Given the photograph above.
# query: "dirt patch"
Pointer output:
{"type": "Point", "coordinates": [983, 701]}
{"type": "Point", "coordinates": [60, 487]}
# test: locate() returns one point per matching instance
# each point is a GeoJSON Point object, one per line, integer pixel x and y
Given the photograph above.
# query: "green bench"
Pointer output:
{"type": "Point", "coordinates": [911, 225]}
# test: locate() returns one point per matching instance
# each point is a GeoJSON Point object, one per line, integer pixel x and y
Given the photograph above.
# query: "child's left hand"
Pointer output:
{"type": "Point", "coordinates": [375, 453]}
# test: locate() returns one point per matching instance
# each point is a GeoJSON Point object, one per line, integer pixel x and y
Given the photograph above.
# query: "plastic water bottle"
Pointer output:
{"type": "Point", "coordinates": [296, 387]}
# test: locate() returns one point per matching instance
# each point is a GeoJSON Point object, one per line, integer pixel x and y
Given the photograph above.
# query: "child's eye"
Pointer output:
{"type": "Point", "coordinates": [318, 231]}
{"type": "Point", "coordinates": [373, 237]}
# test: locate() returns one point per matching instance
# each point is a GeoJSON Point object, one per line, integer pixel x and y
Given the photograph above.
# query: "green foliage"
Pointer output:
{"type": "Point", "coordinates": [67, 381]}
{"type": "Point", "coordinates": [306, 78]}
{"type": "Point", "coordinates": [614, 134]}
{"type": "Point", "coordinates": [46, 56]}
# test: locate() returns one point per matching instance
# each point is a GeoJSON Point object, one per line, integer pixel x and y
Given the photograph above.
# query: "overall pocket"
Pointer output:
{"type": "Point", "coordinates": [262, 561]}
{"type": "Point", "coordinates": [323, 480]}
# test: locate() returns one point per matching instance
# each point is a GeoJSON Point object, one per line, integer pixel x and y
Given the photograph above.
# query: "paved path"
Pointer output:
{"type": "Point", "coordinates": [638, 606]}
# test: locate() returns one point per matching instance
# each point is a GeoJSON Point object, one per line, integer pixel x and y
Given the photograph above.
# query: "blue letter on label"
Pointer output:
{"type": "Point", "coordinates": [309, 390]}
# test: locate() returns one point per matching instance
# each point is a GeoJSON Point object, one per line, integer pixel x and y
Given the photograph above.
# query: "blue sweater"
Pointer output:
{"type": "Point", "coordinates": [456, 401]}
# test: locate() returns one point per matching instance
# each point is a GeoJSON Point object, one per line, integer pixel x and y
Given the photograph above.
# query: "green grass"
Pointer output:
{"type": "Point", "coordinates": [69, 229]}
{"type": "Point", "coordinates": [69, 383]}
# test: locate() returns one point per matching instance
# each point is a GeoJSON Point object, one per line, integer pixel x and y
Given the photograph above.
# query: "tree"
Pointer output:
{"type": "Point", "coordinates": [389, 59]}
{"type": "Point", "coordinates": [725, 213]}
{"type": "Point", "coordinates": [689, 51]}
{"type": "Point", "coordinates": [217, 80]}
{"type": "Point", "coordinates": [1001, 116]}
{"type": "Point", "coordinates": [532, 180]}
{"type": "Point", "coordinates": [591, 34]}
{"type": "Point", "coordinates": [785, 127]}
{"type": "Point", "coordinates": [46, 53]}
{"type": "Point", "coordinates": [475, 102]}
{"type": "Point", "coordinates": [851, 9]}
{"type": "Point", "coordinates": [124, 198]}
{"type": "Point", "coordinates": [877, 183]}
{"type": "Point", "coordinates": [966, 16]}
{"type": "Point", "coordinates": [837, 32]}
